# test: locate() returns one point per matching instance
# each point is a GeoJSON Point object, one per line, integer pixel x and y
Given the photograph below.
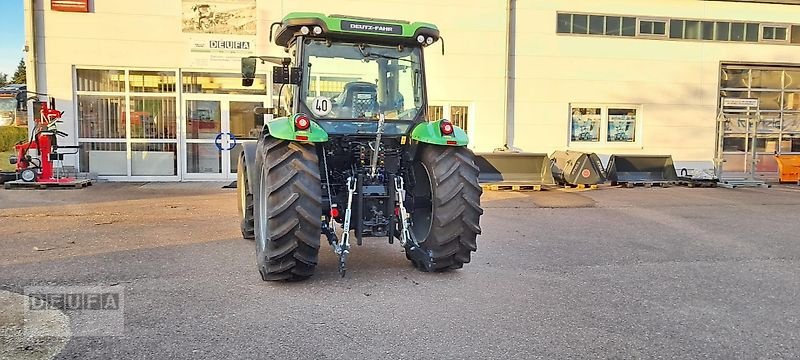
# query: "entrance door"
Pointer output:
{"type": "Point", "coordinates": [245, 125]}
{"type": "Point", "coordinates": [213, 130]}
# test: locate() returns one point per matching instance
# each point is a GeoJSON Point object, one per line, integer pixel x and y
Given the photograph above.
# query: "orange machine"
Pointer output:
{"type": "Point", "coordinates": [788, 168]}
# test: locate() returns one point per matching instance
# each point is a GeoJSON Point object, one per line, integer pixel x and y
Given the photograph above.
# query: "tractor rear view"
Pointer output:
{"type": "Point", "coordinates": [355, 157]}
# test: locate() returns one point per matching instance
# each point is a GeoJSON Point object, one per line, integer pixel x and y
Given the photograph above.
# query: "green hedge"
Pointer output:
{"type": "Point", "coordinates": [11, 135]}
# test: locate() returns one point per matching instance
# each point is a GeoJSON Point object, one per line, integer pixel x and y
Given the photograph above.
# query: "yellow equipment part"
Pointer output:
{"type": "Point", "coordinates": [788, 168]}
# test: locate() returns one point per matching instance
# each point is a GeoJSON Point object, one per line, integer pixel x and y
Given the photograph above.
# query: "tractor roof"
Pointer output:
{"type": "Point", "coordinates": [352, 28]}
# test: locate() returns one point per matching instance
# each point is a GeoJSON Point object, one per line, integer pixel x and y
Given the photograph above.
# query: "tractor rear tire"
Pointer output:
{"type": "Point", "coordinates": [245, 197]}
{"type": "Point", "coordinates": [447, 210]}
{"type": "Point", "coordinates": [288, 204]}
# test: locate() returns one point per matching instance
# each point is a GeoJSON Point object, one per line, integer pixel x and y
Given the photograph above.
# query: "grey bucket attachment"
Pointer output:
{"type": "Point", "coordinates": [577, 168]}
{"type": "Point", "coordinates": [7, 176]}
{"type": "Point", "coordinates": [509, 168]}
{"type": "Point", "coordinates": [643, 169]}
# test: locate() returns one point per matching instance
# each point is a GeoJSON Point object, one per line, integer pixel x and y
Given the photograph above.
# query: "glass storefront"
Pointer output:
{"type": "Point", "coordinates": [165, 124]}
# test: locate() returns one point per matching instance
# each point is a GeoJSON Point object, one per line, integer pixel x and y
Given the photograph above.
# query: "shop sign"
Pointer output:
{"type": "Point", "coordinates": [737, 102]}
{"type": "Point", "coordinates": [70, 5]}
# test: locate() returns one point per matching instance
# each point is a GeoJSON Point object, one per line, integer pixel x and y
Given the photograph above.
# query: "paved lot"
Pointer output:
{"type": "Point", "coordinates": [609, 273]}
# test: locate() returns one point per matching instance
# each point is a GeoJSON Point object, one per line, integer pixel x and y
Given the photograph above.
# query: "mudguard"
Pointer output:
{"type": "Point", "coordinates": [283, 128]}
{"type": "Point", "coordinates": [431, 133]}
{"type": "Point", "coordinates": [249, 151]}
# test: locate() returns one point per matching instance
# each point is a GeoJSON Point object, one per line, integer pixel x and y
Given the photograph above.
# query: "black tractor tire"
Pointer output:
{"type": "Point", "coordinates": [446, 217]}
{"type": "Point", "coordinates": [288, 205]}
{"type": "Point", "coordinates": [245, 200]}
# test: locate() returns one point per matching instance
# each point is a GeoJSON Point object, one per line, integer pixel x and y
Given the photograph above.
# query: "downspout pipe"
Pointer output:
{"type": "Point", "coordinates": [508, 126]}
{"type": "Point", "coordinates": [31, 63]}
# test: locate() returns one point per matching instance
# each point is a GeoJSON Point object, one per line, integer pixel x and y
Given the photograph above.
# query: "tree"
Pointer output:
{"type": "Point", "coordinates": [3, 79]}
{"type": "Point", "coordinates": [19, 75]}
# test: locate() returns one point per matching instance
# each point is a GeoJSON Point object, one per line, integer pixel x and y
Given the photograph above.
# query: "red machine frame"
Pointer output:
{"type": "Point", "coordinates": [39, 168]}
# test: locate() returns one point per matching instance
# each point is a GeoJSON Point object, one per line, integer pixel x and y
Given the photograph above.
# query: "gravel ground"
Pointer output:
{"type": "Point", "coordinates": [608, 273]}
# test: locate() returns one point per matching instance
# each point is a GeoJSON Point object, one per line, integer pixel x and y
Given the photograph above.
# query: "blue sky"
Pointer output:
{"type": "Point", "coordinates": [13, 39]}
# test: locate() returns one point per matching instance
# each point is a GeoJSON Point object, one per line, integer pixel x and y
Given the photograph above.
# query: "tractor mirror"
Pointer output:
{"type": "Point", "coordinates": [286, 75]}
{"type": "Point", "coordinates": [248, 71]}
{"type": "Point", "coordinates": [22, 101]}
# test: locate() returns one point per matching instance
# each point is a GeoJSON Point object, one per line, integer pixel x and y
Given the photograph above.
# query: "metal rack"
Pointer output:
{"type": "Point", "coordinates": [751, 121]}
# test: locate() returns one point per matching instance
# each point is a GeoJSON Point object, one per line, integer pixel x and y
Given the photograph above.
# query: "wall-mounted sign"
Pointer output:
{"type": "Point", "coordinates": [70, 5]}
{"type": "Point", "coordinates": [219, 33]}
{"type": "Point", "coordinates": [737, 102]}
{"type": "Point", "coordinates": [225, 17]}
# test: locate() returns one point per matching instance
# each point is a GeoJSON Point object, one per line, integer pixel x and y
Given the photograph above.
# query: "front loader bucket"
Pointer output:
{"type": "Point", "coordinates": [7, 176]}
{"type": "Point", "coordinates": [577, 168]}
{"type": "Point", "coordinates": [641, 169]}
{"type": "Point", "coordinates": [509, 168]}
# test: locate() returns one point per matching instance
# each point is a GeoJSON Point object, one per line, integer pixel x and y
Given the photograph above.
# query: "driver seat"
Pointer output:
{"type": "Point", "coordinates": [357, 99]}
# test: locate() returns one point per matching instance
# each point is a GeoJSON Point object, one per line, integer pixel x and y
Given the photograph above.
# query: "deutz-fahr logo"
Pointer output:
{"type": "Point", "coordinates": [371, 27]}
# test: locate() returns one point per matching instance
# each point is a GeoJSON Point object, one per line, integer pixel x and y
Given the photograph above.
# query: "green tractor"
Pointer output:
{"type": "Point", "coordinates": [355, 152]}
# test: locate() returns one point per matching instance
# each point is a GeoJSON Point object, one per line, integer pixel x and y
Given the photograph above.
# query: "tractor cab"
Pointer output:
{"type": "Point", "coordinates": [351, 68]}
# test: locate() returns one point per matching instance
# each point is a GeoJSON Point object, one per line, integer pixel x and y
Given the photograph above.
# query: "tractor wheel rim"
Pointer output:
{"type": "Point", "coordinates": [241, 186]}
{"type": "Point", "coordinates": [422, 217]}
{"type": "Point", "coordinates": [261, 221]}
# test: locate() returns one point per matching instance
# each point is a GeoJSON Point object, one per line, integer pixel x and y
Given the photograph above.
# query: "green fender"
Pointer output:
{"type": "Point", "coordinates": [283, 128]}
{"type": "Point", "coordinates": [431, 133]}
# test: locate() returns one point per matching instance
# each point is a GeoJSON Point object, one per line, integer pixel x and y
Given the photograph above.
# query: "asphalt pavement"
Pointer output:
{"type": "Point", "coordinates": [668, 273]}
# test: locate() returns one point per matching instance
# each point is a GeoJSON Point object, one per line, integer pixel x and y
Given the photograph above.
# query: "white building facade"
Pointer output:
{"type": "Point", "coordinates": [151, 88]}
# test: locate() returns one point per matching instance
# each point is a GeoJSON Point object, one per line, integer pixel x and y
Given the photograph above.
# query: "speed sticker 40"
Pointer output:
{"type": "Point", "coordinates": [321, 106]}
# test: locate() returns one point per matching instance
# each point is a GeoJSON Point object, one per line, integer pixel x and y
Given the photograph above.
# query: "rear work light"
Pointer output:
{"type": "Point", "coordinates": [446, 127]}
{"type": "Point", "coordinates": [302, 122]}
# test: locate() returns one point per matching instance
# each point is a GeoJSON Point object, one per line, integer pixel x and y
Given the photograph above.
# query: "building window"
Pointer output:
{"type": "Point", "coordinates": [613, 25]}
{"type": "Point", "coordinates": [685, 29]}
{"type": "Point", "coordinates": [676, 29]}
{"type": "Point", "coordinates": [621, 125]}
{"type": "Point", "coordinates": [586, 124]}
{"type": "Point", "coordinates": [722, 31]}
{"type": "Point", "coordinates": [628, 26]}
{"type": "Point", "coordinates": [564, 23]}
{"type": "Point", "coordinates": [707, 30]}
{"type": "Point", "coordinates": [773, 33]}
{"type": "Point", "coordinates": [101, 80]}
{"type": "Point", "coordinates": [153, 117]}
{"type": "Point", "coordinates": [459, 115]}
{"type": "Point", "coordinates": [580, 24]}
{"type": "Point", "coordinates": [608, 124]}
{"type": "Point", "coordinates": [597, 24]}
{"type": "Point", "coordinates": [434, 113]}
{"type": "Point", "coordinates": [100, 117]}
{"type": "Point", "coordinates": [652, 27]}
{"type": "Point", "coordinates": [691, 30]}
{"type": "Point", "coordinates": [795, 34]}
{"type": "Point", "coordinates": [152, 82]}
{"type": "Point", "coordinates": [584, 24]}
{"type": "Point", "coordinates": [778, 90]}
{"type": "Point", "coordinates": [751, 34]}
{"type": "Point", "coordinates": [222, 83]}
{"type": "Point", "coordinates": [127, 121]}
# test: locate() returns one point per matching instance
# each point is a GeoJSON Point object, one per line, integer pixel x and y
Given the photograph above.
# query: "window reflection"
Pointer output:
{"type": "Point", "coordinates": [586, 124]}
{"type": "Point", "coordinates": [621, 125]}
